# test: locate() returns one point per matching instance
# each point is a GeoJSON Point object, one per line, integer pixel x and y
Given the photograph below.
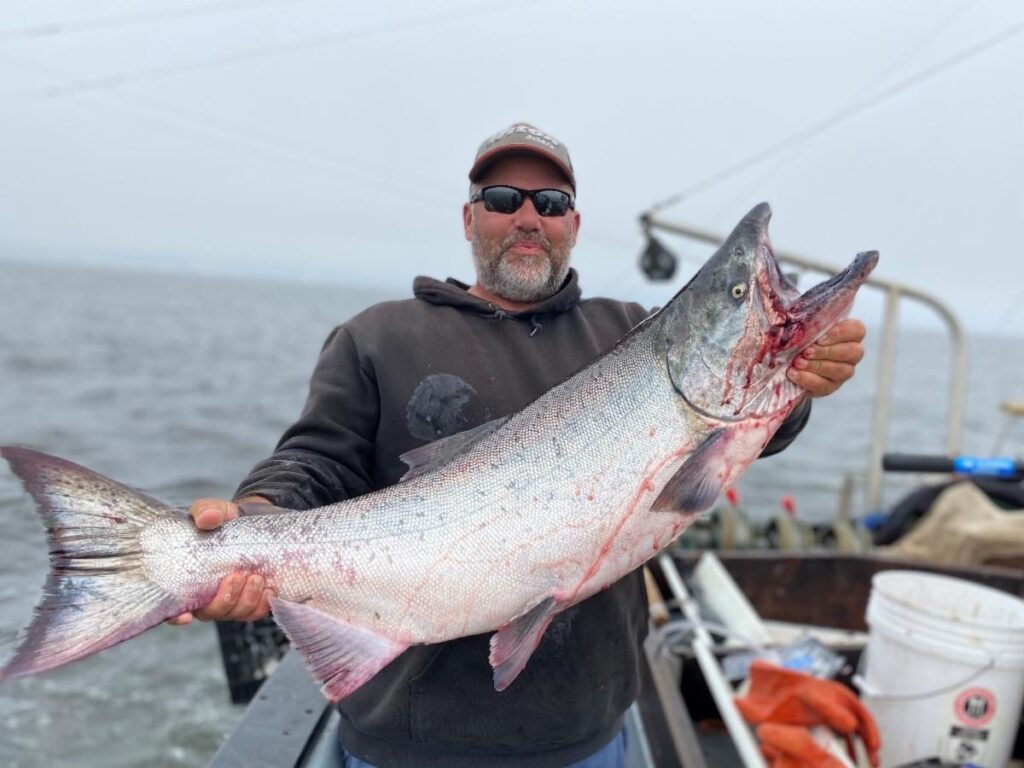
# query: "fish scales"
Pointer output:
{"type": "Point", "coordinates": [497, 529]}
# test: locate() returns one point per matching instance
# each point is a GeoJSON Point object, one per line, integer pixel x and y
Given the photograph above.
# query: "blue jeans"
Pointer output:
{"type": "Point", "coordinates": [612, 755]}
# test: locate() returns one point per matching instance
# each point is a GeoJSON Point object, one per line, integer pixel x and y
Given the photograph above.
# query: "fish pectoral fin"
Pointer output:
{"type": "Point", "coordinates": [432, 455]}
{"type": "Point", "coordinates": [695, 485]}
{"type": "Point", "coordinates": [514, 644]}
{"type": "Point", "coordinates": [340, 655]}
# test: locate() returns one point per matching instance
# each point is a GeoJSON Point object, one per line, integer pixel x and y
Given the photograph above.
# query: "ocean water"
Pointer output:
{"type": "Point", "coordinates": [178, 385]}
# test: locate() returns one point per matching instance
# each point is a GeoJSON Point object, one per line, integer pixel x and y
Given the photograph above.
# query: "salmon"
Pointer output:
{"type": "Point", "coordinates": [495, 530]}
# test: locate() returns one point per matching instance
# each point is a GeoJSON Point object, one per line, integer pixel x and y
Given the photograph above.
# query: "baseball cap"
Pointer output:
{"type": "Point", "coordinates": [523, 137]}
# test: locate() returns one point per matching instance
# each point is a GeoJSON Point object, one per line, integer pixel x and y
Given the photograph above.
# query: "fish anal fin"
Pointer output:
{"type": "Point", "coordinates": [340, 655]}
{"type": "Point", "coordinates": [433, 455]}
{"type": "Point", "coordinates": [514, 644]}
{"type": "Point", "coordinates": [697, 483]}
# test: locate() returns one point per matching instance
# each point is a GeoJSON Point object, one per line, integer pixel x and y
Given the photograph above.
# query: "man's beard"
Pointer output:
{"type": "Point", "coordinates": [520, 277]}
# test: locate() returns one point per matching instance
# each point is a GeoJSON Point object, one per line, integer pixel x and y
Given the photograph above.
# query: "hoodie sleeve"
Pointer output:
{"type": "Point", "coordinates": [790, 428]}
{"type": "Point", "coordinates": [326, 455]}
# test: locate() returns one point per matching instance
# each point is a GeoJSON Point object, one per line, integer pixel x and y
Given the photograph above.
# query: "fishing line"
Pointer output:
{"type": "Point", "coordinates": [677, 635]}
{"type": "Point", "coordinates": [842, 115]}
{"type": "Point", "coordinates": [54, 28]}
{"type": "Point", "coordinates": [329, 165]}
{"type": "Point", "coordinates": [912, 52]}
{"type": "Point", "coordinates": [119, 79]}
{"type": "Point", "coordinates": [1008, 314]}
{"type": "Point", "coordinates": [886, 75]}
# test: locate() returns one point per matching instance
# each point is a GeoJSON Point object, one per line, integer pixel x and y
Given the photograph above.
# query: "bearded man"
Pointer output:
{"type": "Point", "coordinates": [404, 373]}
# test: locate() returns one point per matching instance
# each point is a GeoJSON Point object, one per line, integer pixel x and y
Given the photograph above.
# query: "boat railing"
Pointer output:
{"type": "Point", "coordinates": [893, 292]}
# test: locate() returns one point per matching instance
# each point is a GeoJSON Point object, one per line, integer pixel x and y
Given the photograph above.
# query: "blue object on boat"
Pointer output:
{"type": "Point", "coordinates": [874, 520]}
{"type": "Point", "coordinates": [996, 466]}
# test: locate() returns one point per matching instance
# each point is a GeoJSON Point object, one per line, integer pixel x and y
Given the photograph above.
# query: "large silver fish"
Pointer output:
{"type": "Point", "coordinates": [496, 529]}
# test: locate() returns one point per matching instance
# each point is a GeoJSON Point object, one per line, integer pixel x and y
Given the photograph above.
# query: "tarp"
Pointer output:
{"type": "Point", "coordinates": [963, 527]}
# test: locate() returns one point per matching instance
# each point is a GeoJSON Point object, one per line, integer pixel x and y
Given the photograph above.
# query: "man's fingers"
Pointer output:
{"type": "Point", "coordinates": [850, 329]}
{"type": "Point", "coordinates": [227, 595]}
{"type": "Point", "coordinates": [233, 597]}
{"type": "Point", "coordinates": [210, 514]}
{"type": "Point", "coordinates": [826, 369]}
{"type": "Point", "coordinates": [240, 597]}
{"type": "Point", "coordinates": [817, 386]}
{"type": "Point", "coordinates": [261, 610]}
{"type": "Point", "coordinates": [250, 594]}
{"type": "Point", "coordinates": [844, 352]}
{"type": "Point", "coordinates": [265, 603]}
{"type": "Point", "coordinates": [180, 621]}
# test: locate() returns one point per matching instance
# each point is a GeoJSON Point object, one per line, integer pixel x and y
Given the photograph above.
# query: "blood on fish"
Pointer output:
{"type": "Point", "coordinates": [647, 480]}
{"type": "Point", "coordinates": [727, 393]}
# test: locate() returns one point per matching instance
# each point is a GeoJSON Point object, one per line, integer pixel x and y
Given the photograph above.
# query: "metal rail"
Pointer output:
{"type": "Point", "coordinates": [894, 292]}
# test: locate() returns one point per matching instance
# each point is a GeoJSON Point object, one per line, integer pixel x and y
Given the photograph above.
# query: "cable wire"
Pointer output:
{"type": "Point", "coordinates": [329, 165]}
{"type": "Point", "coordinates": [119, 79]}
{"type": "Point", "coordinates": [54, 28]}
{"type": "Point", "coordinates": [841, 115]}
{"type": "Point", "coordinates": [1008, 314]}
{"type": "Point", "coordinates": [886, 75]}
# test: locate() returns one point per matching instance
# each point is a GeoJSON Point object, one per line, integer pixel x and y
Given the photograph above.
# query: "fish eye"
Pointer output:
{"type": "Point", "coordinates": [739, 290]}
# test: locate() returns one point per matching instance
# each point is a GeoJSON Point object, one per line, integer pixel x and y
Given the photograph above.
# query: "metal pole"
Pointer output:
{"type": "Point", "coordinates": [880, 423]}
{"type": "Point", "coordinates": [721, 691]}
{"type": "Point", "coordinates": [957, 386]}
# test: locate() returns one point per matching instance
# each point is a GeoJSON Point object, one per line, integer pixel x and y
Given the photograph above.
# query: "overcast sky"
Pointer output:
{"type": "Point", "coordinates": [329, 140]}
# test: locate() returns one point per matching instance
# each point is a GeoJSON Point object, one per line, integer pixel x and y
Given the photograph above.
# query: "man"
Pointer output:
{"type": "Point", "coordinates": [404, 373]}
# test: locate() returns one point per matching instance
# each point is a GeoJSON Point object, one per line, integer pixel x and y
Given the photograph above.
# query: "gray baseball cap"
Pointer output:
{"type": "Point", "coordinates": [523, 137]}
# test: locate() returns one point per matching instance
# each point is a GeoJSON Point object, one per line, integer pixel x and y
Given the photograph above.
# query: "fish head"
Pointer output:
{"type": "Point", "coordinates": [731, 333]}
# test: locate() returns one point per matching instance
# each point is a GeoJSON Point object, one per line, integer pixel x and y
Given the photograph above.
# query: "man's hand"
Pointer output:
{"type": "Point", "coordinates": [824, 366]}
{"type": "Point", "coordinates": [240, 596]}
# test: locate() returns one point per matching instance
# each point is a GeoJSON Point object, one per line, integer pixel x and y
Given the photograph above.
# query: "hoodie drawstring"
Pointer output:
{"type": "Point", "coordinates": [535, 324]}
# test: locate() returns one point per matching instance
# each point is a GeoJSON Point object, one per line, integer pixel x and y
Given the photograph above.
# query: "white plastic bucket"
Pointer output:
{"type": "Point", "coordinates": [943, 672]}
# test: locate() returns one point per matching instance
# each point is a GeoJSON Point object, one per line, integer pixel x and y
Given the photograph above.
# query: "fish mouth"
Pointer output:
{"type": "Point", "coordinates": [751, 323]}
{"type": "Point", "coordinates": [794, 321]}
{"type": "Point", "coordinates": [790, 321]}
{"type": "Point", "coordinates": [823, 300]}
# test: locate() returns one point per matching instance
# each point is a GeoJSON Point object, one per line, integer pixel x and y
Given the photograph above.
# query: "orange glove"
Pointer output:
{"type": "Point", "coordinates": [786, 697]}
{"type": "Point", "coordinates": [792, 746]}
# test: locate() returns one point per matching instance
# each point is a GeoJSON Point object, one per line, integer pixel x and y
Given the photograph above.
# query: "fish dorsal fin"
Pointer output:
{"type": "Point", "coordinates": [695, 485]}
{"type": "Point", "coordinates": [432, 455]}
{"type": "Point", "coordinates": [514, 644]}
{"type": "Point", "coordinates": [341, 656]}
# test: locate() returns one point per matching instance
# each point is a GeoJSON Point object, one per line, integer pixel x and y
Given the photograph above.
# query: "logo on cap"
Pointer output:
{"type": "Point", "coordinates": [530, 133]}
{"type": "Point", "coordinates": [523, 137]}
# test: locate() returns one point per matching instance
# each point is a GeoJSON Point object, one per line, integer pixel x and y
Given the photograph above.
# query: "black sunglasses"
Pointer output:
{"type": "Point", "coordinates": [502, 199]}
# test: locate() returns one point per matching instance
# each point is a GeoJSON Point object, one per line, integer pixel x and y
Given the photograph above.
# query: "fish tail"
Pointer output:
{"type": "Point", "coordinates": [98, 592]}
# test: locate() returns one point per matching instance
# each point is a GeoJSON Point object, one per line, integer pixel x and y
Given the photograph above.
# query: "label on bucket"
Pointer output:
{"type": "Point", "coordinates": [965, 745]}
{"type": "Point", "coordinates": [975, 707]}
